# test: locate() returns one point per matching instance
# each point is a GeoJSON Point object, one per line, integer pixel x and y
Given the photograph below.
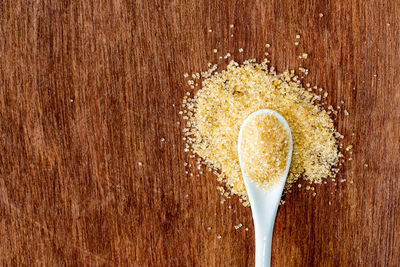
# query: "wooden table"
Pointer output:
{"type": "Point", "coordinates": [89, 88]}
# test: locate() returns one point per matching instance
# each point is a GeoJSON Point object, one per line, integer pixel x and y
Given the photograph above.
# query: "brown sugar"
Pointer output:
{"type": "Point", "coordinates": [216, 112]}
{"type": "Point", "coordinates": [265, 145]}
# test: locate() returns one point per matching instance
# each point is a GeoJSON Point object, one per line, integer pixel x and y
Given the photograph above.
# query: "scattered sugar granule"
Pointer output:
{"type": "Point", "coordinates": [186, 75]}
{"type": "Point", "coordinates": [219, 237]}
{"type": "Point", "coordinates": [296, 43]}
{"type": "Point", "coordinates": [228, 97]}
{"type": "Point", "coordinates": [231, 26]}
{"type": "Point", "coordinates": [349, 147]}
{"type": "Point", "coordinates": [298, 36]}
{"type": "Point", "coordinates": [140, 163]}
{"type": "Point", "coordinates": [246, 229]}
{"type": "Point", "coordinates": [366, 165]}
{"type": "Point", "coordinates": [320, 15]}
{"type": "Point", "coordinates": [232, 35]}
{"type": "Point", "coordinates": [210, 30]}
{"type": "Point", "coordinates": [209, 228]}
{"type": "Point", "coordinates": [240, 50]}
{"type": "Point", "coordinates": [304, 55]}
{"type": "Point", "coordinates": [265, 146]}
{"type": "Point", "coordinates": [238, 226]}
{"type": "Point", "coordinates": [299, 185]}
{"type": "Point", "coordinates": [267, 45]}
{"type": "Point", "coordinates": [163, 139]}
{"type": "Point", "coordinates": [215, 50]}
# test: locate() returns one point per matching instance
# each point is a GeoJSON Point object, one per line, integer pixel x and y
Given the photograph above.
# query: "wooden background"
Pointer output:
{"type": "Point", "coordinates": [89, 88]}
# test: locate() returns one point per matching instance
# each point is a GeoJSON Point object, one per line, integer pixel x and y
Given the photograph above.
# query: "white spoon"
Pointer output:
{"type": "Point", "coordinates": [264, 204]}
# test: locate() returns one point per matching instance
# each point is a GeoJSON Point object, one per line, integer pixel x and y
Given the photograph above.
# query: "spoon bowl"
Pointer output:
{"type": "Point", "coordinates": [264, 204]}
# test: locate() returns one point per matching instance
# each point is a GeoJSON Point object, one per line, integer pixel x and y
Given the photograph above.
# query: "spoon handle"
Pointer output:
{"type": "Point", "coordinates": [264, 213]}
{"type": "Point", "coordinates": [263, 238]}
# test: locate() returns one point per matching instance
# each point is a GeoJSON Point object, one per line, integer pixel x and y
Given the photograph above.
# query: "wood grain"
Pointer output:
{"type": "Point", "coordinates": [89, 88]}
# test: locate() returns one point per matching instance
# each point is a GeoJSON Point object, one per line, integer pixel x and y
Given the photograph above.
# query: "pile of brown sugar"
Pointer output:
{"type": "Point", "coordinates": [215, 113]}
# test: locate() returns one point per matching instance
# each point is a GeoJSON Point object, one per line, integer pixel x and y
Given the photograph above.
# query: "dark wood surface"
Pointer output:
{"type": "Point", "coordinates": [89, 88]}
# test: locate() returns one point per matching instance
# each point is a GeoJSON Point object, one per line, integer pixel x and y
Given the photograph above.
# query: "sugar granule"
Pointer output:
{"type": "Point", "coordinates": [228, 97]}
